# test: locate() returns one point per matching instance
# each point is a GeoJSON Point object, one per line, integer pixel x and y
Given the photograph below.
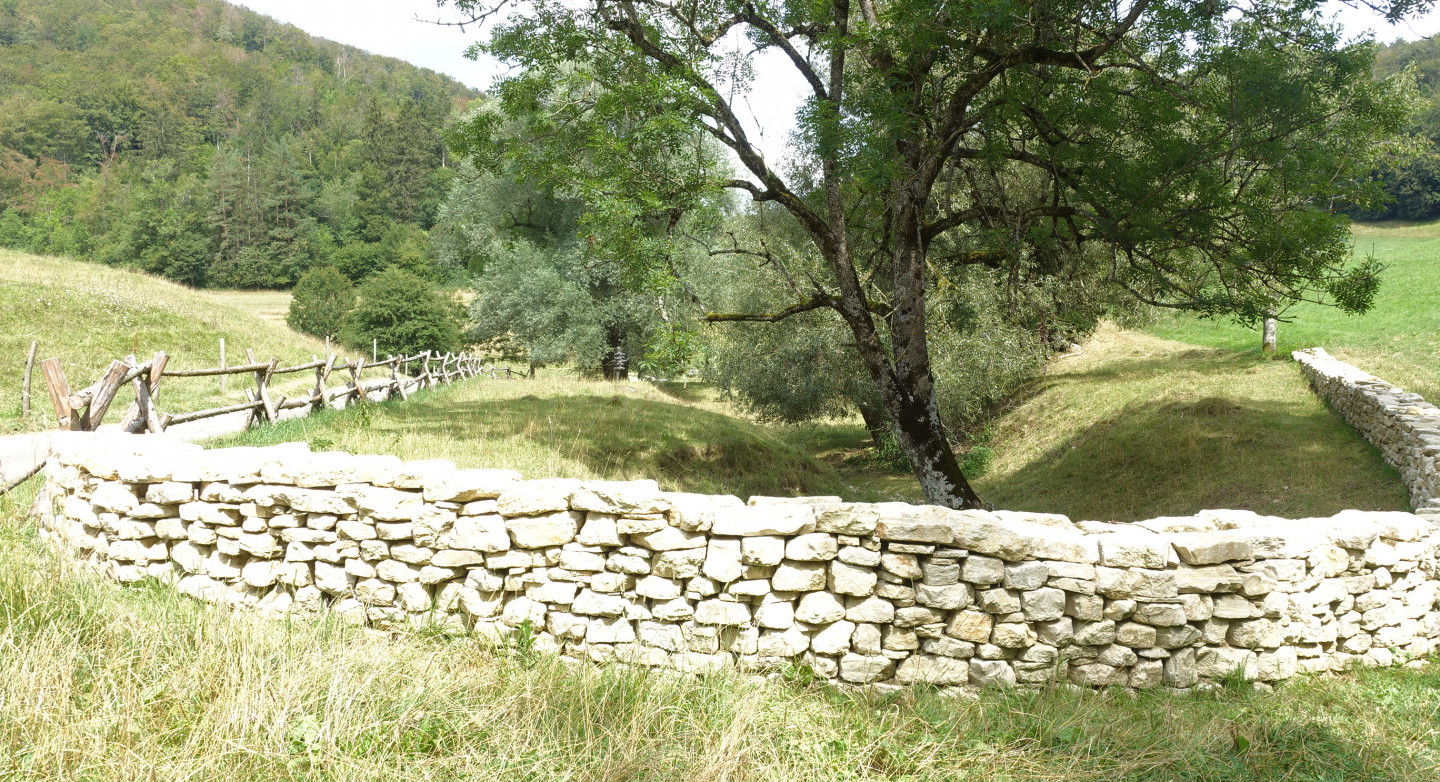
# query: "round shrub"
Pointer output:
{"type": "Point", "coordinates": [403, 314]}
{"type": "Point", "coordinates": [321, 300]}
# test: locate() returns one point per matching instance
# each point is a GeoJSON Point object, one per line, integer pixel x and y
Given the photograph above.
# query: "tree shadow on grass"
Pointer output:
{"type": "Point", "coordinates": [1176, 456]}
{"type": "Point", "coordinates": [684, 448]}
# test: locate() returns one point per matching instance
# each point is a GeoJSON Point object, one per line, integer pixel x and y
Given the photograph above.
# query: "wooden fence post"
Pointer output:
{"type": "Point", "coordinates": [59, 391]}
{"type": "Point", "coordinates": [104, 395]}
{"type": "Point", "coordinates": [223, 377]}
{"type": "Point", "coordinates": [355, 367]}
{"type": "Point", "coordinates": [25, 389]}
{"type": "Point", "coordinates": [395, 377]}
{"type": "Point", "coordinates": [321, 375]}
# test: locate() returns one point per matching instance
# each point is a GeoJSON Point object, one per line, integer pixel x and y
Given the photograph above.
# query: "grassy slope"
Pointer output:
{"type": "Point", "coordinates": [1399, 340]}
{"type": "Point", "coordinates": [558, 426]}
{"type": "Point", "coordinates": [88, 315]}
{"type": "Point", "coordinates": [1137, 427]}
{"type": "Point", "coordinates": [110, 684]}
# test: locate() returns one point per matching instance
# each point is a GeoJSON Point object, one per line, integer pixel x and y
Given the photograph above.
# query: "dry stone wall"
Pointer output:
{"type": "Point", "coordinates": [1402, 425]}
{"type": "Point", "coordinates": [883, 593]}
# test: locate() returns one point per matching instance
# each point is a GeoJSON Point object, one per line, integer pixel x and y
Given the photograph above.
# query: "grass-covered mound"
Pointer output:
{"type": "Point", "coordinates": [111, 684]}
{"type": "Point", "coordinates": [558, 426]}
{"type": "Point", "coordinates": [88, 315]}
{"type": "Point", "coordinates": [1136, 427]}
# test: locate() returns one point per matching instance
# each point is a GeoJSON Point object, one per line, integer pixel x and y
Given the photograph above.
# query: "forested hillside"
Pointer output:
{"type": "Point", "coordinates": [1413, 180]}
{"type": "Point", "coordinates": [214, 146]}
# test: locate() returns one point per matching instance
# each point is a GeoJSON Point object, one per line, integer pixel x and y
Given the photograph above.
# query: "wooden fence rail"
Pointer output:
{"type": "Point", "coordinates": [85, 409]}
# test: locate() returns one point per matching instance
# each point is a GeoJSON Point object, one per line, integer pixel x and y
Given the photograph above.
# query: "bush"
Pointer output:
{"type": "Point", "coordinates": [404, 314]}
{"type": "Point", "coordinates": [321, 300]}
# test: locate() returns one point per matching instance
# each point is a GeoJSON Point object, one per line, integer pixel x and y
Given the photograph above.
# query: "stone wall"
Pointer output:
{"type": "Point", "coordinates": [861, 593]}
{"type": "Point", "coordinates": [1402, 425]}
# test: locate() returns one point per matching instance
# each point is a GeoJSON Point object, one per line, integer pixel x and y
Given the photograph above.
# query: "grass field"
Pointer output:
{"type": "Point", "coordinates": [1137, 427]}
{"type": "Point", "coordinates": [112, 684]}
{"type": "Point", "coordinates": [87, 315]}
{"type": "Point", "coordinates": [1398, 340]}
{"type": "Point", "coordinates": [560, 426]}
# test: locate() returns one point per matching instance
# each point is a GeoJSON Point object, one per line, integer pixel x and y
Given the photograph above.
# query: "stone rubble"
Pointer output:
{"type": "Point", "coordinates": [860, 593]}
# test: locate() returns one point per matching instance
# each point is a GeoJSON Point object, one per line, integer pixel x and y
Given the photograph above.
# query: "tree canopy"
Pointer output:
{"type": "Point", "coordinates": [1192, 154]}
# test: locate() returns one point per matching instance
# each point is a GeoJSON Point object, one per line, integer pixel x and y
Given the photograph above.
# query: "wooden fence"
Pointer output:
{"type": "Point", "coordinates": [84, 410]}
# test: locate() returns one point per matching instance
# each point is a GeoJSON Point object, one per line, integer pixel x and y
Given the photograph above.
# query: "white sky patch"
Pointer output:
{"type": "Point", "coordinates": [404, 29]}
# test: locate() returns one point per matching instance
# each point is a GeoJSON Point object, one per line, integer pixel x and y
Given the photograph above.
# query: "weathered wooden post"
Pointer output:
{"type": "Point", "coordinates": [223, 376]}
{"type": "Point", "coordinates": [395, 378]}
{"type": "Point", "coordinates": [322, 373]}
{"type": "Point", "coordinates": [25, 387]}
{"type": "Point", "coordinates": [59, 391]}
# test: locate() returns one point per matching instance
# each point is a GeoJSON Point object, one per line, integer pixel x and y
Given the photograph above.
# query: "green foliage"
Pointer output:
{"type": "Point", "coordinates": [321, 300]}
{"type": "Point", "coordinates": [214, 146]}
{"type": "Point", "coordinates": [404, 315]}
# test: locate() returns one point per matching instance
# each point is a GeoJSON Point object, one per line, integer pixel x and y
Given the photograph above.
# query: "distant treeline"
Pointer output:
{"type": "Point", "coordinates": [1414, 179]}
{"type": "Point", "coordinates": [214, 146]}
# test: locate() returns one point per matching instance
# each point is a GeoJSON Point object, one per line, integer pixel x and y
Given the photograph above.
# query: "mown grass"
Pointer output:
{"type": "Point", "coordinates": [558, 425]}
{"type": "Point", "coordinates": [105, 683]}
{"type": "Point", "coordinates": [1398, 340]}
{"type": "Point", "coordinates": [88, 315]}
{"type": "Point", "coordinates": [1137, 427]}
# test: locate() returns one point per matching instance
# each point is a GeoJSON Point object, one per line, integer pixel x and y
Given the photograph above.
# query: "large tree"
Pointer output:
{"type": "Point", "coordinates": [1195, 147]}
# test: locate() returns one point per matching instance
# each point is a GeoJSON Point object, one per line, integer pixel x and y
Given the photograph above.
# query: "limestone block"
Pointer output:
{"type": "Point", "coordinates": [553, 592]}
{"type": "Point", "coordinates": [542, 531]}
{"type": "Point", "coordinates": [947, 598]}
{"type": "Point", "coordinates": [373, 591]}
{"type": "Point", "coordinates": [412, 597]}
{"type": "Point", "coordinates": [1160, 614]}
{"type": "Point", "coordinates": [751, 587]}
{"type": "Point", "coordinates": [933, 669]}
{"type": "Point", "coordinates": [397, 571]}
{"type": "Point", "coordinates": [982, 570]}
{"type": "Point", "coordinates": [799, 577]}
{"type": "Point", "coordinates": [1234, 607]}
{"type": "Point", "coordinates": [619, 497]}
{"type": "Point", "coordinates": [972, 626]}
{"type": "Point", "coordinates": [906, 566]}
{"type": "Point", "coordinates": [696, 512]}
{"type": "Point", "coordinates": [851, 580]}
{"type": "Point", "coordinates": [874, 610]}
{"type": "Point", "coordinates": [812, 547]}
{"type": "Point", "coordinates": [775, 616]}
{"type": "Point", "coordinates": [722, 561]}
{"type": "Point", "coordinates": [914, 524]}
{"type": "Point", "coordinates": [1135, 582]}
{"type": "Point", "coordinates": [114, 497]}
{"type": "Point", "coordinates": [679, 563]}
{"type": "Point", "coordinates": [722, 612]}
{"type": "Point", "coordinates": [833, 639]}
{"type": "Point", "coordinates": [1012, 635]}
{"type": "Point", "coordinates": [1280, 664]}
{"type": "Point", "coordinates": [1095, 633]}
{"type": "Point", "coordinates": [628, 564]}
{"type": "Point", "coordinates": [1179, 669]}
{"type": "Point", "coordinates": [169, 492]}
{"type": "Point", "coordinates": [1134, 548]}
{"type": "Point", "coordinates": [592, 603]}
{"type": "Point", "coordinates": [1043, 605]}
{"type": "Point", "coordinates": [638, 525]}
{"type": "Point", "coordinates": [865, 669]}
{"type": "Point", "coordinates": [669, 538]}
{"type": "Point", "coordinates": [1212, 548]}
{"type": "Point", "coordinates": [485, 533]}
{"type": "Point", "coordinates": [469, 485]}
{"type": "Point", "coordinates": [847, 519]}
{"type": "Point", "coordinates": [1328, 561]}
{"type": "Point", "coordinates": [435, 574]}
{"type": "Point", "coordinates": [522, 609]}
{"type": "Point", "coordinates": [673, 610]}
{"type": "Point", "coordinates": [1218, 662]}
{"type": "Point", "coordinates": [331, 579]}
{"type": "Point", "coordinates": [533, 498]}
{"type": "Point", "coordinates": [599, 529]}
{"type": "Point", "coordinates": [999, 601]}
{"type": "Point", "coordinates": [766, 551]}
{"type": "Point", "coordinates": [658, 588]}
{"type": "Point", "coordinates": [857, 556]}
{"type": "Point", "coordinates": [991, 673]}
{"type": "Point", "coordinates": [1135, 635]}
{"type": "Point", "coordinates": [763, 520]}
{"type": "Point", "coordinates": [662, 636]}
{"type": "Point", "coordinates": [819, 608]}
{"type": "Point", "coordinates": [415, 555]}
{"type": "Point", "coordinates": [1026, 575]}
{"type": "Point", "coordinates": [783, 644]}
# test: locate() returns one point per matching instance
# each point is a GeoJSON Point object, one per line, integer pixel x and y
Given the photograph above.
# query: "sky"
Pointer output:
{"type": "Point", "coordinates": [407, 30]}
